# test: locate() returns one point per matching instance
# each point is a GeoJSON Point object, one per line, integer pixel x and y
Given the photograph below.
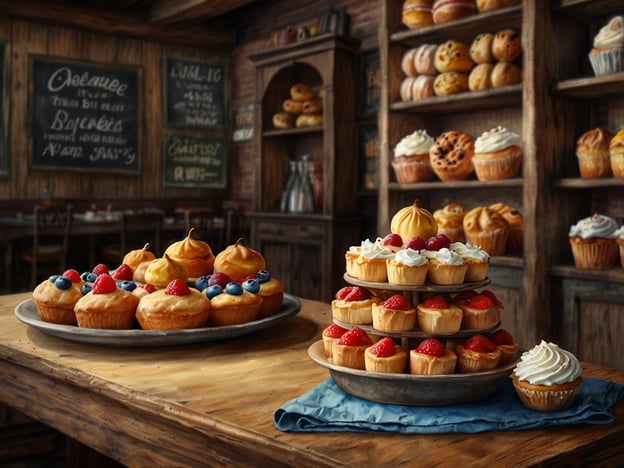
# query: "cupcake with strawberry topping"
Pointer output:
{"type": "Point", "coordinates": [394, 314]}
{"type": "Point", "coordinates": [430, 357]}
{"type": "Point", "coordinates": [385, 356]}
{"type": "Point", "coordinates": [353, 305]}
{"type": "Point", "coordinates": [106, 306]}
{"type": "Point", "coordinates": [371, 263]}
{"type": "Point", "coordinates": [481, 311]}
{"type": "Point", "coordinates": [477, 354]}
{"type": "Point", "coordinates": [174, 308]}
{"type": "Point", "coordinates": [478, 260]}
{"type": "Point", "coordinates": [349, 350]}
{"type": "Point", "coordinates": [438, 316]}
{"type": "Point", "coordinates": [332, 333]}
{"type": "Point", "coordinates": [505, 343]}
{"type": "Point", "coordinates": [56, 297]}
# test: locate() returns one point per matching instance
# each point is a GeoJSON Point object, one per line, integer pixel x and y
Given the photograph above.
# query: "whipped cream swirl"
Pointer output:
{"type": "Point", "coordinates": [444, 256]}
{"type": "Point", "coordinates": [611, 35]}
{"type": "Point", "coordinates": [496, 139]}
{"type": "Point", "coordinates": [410, 257]}
{"type": "Point", "coordinates": [596, 225]}
{"type": "Point", "coordinates": [470, 252]}
{"type": "Point", "coordinates": [548, 364]}
{"type": "Point", "coordinates": [418, 142]}
{"type": "Point", "coordinates": [375, 250]}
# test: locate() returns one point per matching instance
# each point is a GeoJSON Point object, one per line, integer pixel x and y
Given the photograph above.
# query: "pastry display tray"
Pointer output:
{"type": "Point", "coordinates": [26, 312]}
{"type": "Point", "coordinates": [370, 330]}
{"type": "Point", "coordinates": [427, 287]}
{"type": "Point", "coordinates": [413, 390]}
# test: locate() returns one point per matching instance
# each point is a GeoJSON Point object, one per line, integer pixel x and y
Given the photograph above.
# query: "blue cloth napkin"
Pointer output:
{"type": "Point", "coordinates": [326, 408]}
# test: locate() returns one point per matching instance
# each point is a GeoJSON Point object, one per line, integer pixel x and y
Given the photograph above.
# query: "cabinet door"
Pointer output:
{"type": "Point", "coordinates": [308, 278]}
{"type": "Point", "coordinates": [278, 257]}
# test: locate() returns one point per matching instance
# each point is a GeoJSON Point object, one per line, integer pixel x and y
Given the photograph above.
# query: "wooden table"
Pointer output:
{"type": "Point", "coordinates": [213, 404]}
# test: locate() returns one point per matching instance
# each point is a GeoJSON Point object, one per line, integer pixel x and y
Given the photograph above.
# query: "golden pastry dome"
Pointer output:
{"type": "Point", "coordinates": [196, 255]}
{"type": "Point", "coordinates": [135, 257]}
{"type": "Point", "coordinates": [484, 219]}
{"type": "Point", "coordinates": [239, 261]}
{"type": "Point", "coordinates": [162, 271]}
{"type": "Point", "coordinates": [413, 221]}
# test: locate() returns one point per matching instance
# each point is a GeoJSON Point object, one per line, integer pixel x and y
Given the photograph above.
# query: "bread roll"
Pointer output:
{"type": "Point", "coordinates": [425, 58]}
{"type": "Point", "coordinates": [505, 73]}
{"type": "Point", "coordinates": [487, 5]}
{"type": "Point", "coordinates": [480, 77]}
{"type": "Point", "coordinates": [301, 92]}
{"type": "Point", "coordinates": [408, 64]}
{"type": "Point", "coordinates": [292, 106]}
{"type": "Point", "coordinates": [417, 13]}
{"type": "Point", "coordinates": [313, 106]}
{"type": "Point", "coordinates": [449, 10]}
{"type": "Point", "coordinates": [481, 48]}
{"type": "Point", "coordinates": [406, 88]}
{"type": "Point", "coordinates": [453, 56]}
{"type": "Point", "coordinates": [422, 87]}
{"type": "Point", "coordinates": [507, 45]}
{"type": "Point", "coordinates": [284, 120]}
{"type": "Point", "coordinates": [309, 120]}
{"type": "Point", "coordinates": [450, 83]}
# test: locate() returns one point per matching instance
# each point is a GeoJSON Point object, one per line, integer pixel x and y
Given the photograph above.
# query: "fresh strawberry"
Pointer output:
{"type": "Point", "coordinates": [492, 296]}
{"type": "Point", "coordinates": [342, 293]}
{"type": "Point", "coordinates": [501, 337]}
{"type": "Point", "coordinates": [73, 275]}
{"type": "Point", "coordinates": [397, 302]}
{"type": "Point", "coordinates": [432, 347]}
{"type": "Point", "coordinates": [334, 331]}
{"type": "Point", "coordinates": [384, 347]}
{"type": "Point", "coordinates": [357, 294]}
{"type": "Point", "coordinates": [480, 344]}
{"type": "Point", "coordinates": [464, 297]}
{"type": "Point", "coordinates": [100, 268]}
{"type": "Point", "coordinates": [123, 272]}
{"type": "Point", "coordinates": [177, 287]}
{"type": "Point", "coordinates": [355, 337]}
{"type": "Point", "coordinates": [104, 284]}
{"type": "Point", "coordinates": [481, 302]}
{"type": "Point", "coordinates": [437, 302]}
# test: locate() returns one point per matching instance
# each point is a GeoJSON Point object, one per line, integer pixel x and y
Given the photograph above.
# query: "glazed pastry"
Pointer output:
{"type": "Point", "coordinates": [408, 267]}
{"type": "Point", "coordinates": [480, 77]}
{"type": "Point", "coordinates": [450, 221]}
{"type": "Point", "coordinates": [349, 350]}
{"type": "Point", "coordinates": [424, 59]}
{"type": "Point", "coordinates": [417, 13]}
{"type": "Point", "coordinates": [477, 259]}
{"type": "Point", "coordinates": [106, 306]}
{"type": "Point", "coordinates": [450, 83]}
{"type": "Point", "coordinates": [453, 56]}
{"type": "Point", "coordinates": [451, 156]}
{"type": "Point", "coordinates": [239, 261]}
{"type": "Point", "coordinates": [431, 358]}
{"type": "Point", "coordinates": [135, 257]}
{"type": "Point", "coordinates": [56, 297]}
{"type": "Point", "coordinates": [413, 221]}
{"type": "Point", "coordinates": [162, 271]}
{"type": "Point", "coordinates": [487, 229]}
{"type": "Point", "coordinates": [481, 48]}
{"type": "Point", "coordinates": [497, 155]}
{"type": "Point", "coordinates": [505, 73]}
{"type": "Point", "coordinates": [477, 354]}
{"type": "Point", "coordinates": [594, 242]}
{"type": "Point", "coordinates": [445, 266]}
{"type": "Point", "coordinates": [196, 255]}
{"type": "Point", "coordinates": [481, 312]}
{"type": "Point", "coordinates": [505, 343]}
{"type": "Point", "coordinates": [411, 158]}
{"type": "Point", "coordinates": [371, 264]}
{"type": "Point", "coordinates": [284, 120]}
{"type": "Point", "coordinates": [353, 305]}
{"type": "Point", "coordinates": [332, 333]}
{"type": "Point", "coordinates": [173, 308]}
{"type": "Point", "coordinates": [547, 378]}
{"type": "Point", "coordinates": [301, 92]}
{"type": "Point", "coordinates": [487, 5]}
{"type": "Point", "coordinates": [313, 106]}
{"type": "Point", "coordinates": [515, 240]}
{"type": "Point", "coordinates": [507, 45]}
{"type": "Point", "coordinates": [616, 154]}
{"type": "Point", "coordinates": [293, 107]}
{"type": "Point", "coordinates": [309, 120]}
{"type": "Point", "coordinates": [607, 55]}
{"type": "Point", "coordinates": [450, 10]}
{"type": "Point", "coordinates": [394, 314]}
{"type": "Point", "coordinates": [233, 306]}
{"type": "Point", "coordinates": [438, 316]}
{"type": "Point", "coordinates": [592, 151]}
{"type": "Point", "coordinates": [271, 290]}
{"type": "Point", "coordinates": [385, 356]}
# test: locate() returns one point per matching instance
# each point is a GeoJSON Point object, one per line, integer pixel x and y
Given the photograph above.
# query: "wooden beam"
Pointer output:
{"type": "Point", "coordinates": [186, 11]}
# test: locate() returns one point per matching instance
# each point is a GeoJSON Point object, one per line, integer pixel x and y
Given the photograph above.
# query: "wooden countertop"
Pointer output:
{"type": "Point", "coordinates": [213, 404]}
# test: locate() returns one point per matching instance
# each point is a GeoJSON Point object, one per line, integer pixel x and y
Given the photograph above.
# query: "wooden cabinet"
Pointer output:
{"type": "Point", "coordinates": [558, 100]}
{"type": "Point", "coordinates": [307, 251]}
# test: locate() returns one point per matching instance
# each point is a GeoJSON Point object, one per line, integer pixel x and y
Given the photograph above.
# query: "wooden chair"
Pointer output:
{"type": "Point", "coordinates": [135, 230]}
{"type": "Point", "coordinates": [52, 223]}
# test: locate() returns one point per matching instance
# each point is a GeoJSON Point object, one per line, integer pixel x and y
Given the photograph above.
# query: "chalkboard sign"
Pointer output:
{"type": "Point", "coordinates": [85, 116]}
{"type": "Point", "coordinates": [4, 112]}
{"type": "Point", "coordinates": [194, 93]}
{"type": "Point", "coordinates": [370, 83]}
{"type": "Point", "coordinates": [194, 160]}
{"type": "Point", "coordinates": [243, 122]}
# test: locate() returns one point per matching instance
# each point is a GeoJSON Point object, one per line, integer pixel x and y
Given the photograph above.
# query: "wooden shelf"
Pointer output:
{"type": "Point", "coordinates": [587, 9]}
{"type": "Point", "coordinates": [578, 183]}
{"type": "Point", "coordinates": [592, 87]}
{"type": "Point", "coordinates": [462, 184]}
{"type": "Point", "coordinates": [291, 131]}
{"type": "Point", "coordinates": [615, 274]}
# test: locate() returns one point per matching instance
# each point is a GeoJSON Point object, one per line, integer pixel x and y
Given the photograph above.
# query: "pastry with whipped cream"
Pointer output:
{"type": "Point", "coordinates": [371, 263]}
{"type": "Point", "coordinates": [411, 158]}
{"type": "Point", "coordinates": [445, 266]}
{"type": "Point", "coordinates": [407, 267]}
{"type": "Point", "coordinates": [547, 377]}
{"type": "Point", "coordinates": [478, 260]}
{"type": "Point", "coordinates": [607, 55]}
{"type": "Point", "coordinates": [594, 242]}
{"type": "Point", "coordinates": [497, 155]}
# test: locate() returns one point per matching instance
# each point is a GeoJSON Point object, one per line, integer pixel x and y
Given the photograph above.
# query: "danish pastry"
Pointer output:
{"type": "Point", "coordinates": [451, 155]}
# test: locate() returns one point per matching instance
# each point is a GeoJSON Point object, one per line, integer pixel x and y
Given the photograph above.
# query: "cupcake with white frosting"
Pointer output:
{"type": "Point", "coordinates": [594, 242]}
{"type": "Point", "coordinates": [445, 266]}
{"type": "Point", "coordinates": [607, 55]}
{"type": "Point", "coordinates": [411, 158]}
{"type": "Point", "coordinates": [408, 267]}
{"type": "Point", "coordinates": [478, 260]}
{"type": "Point", "coordinates": [547, 377]}
{"type": "Point", "coordinates": [371, 263]}
{"type": "Point", "coordinates": [497, 155]}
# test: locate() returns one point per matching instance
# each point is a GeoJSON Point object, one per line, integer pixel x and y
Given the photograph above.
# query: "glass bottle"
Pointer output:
{"type": "Point", "coordinates": [288, 188]}
{"type": "Point", "coordinates": [306, 201]}
{"type": "Point", "coordinates": [294, 195]}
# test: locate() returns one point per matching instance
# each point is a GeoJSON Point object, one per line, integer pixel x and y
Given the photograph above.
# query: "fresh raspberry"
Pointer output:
{"type": "Point", "coordinates": [437, 302]}
{"type": "Point", "coordinates": [464, 297]}
{"type": "Point", "coordinates": [177, 287]}
{"type": "Point", "coordinates": [481, 302]}
{"type": "Point", "coordinates": [334, 331]}
{"type": "Point", "coordinates": [492, 296]}
{"type": "Point", "coordinates": [432, 347]}
{"type": "Point", "coordinates": [384, 347]}
{"type": "Point", "coordinates": [480, 344]}
{"type": "Point", "coordinates": [73, 275]}
{"type": "Point", "coordinates": [100, 268]}
{"type": "Point", "coordinates": [501, 337]}
{"type": "Point", "coordinates": [357, 294]}
{"type": "Point", "coordinates": [342, 293]}
{"type": "Point", "coordinates": [222, 279]}
{"type": "Point", "coordinates": [123, 272]}
{"type": "Point", "coordinates": [148, 287]}
{"type": "Point", "coordinates": [104, 284]}
{"type": "Point", "coordinates": [355, 337]}
{"type": "Point", "coordinates": [397, 302]}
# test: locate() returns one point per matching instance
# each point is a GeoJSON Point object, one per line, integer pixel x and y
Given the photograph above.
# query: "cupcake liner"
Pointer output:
{"type": "Point", "coordinates": [373, 270]}
{"type": "Point", "coordinates": [610, 61]}
{"type": "Point", "coordinates": [470, 361]}
{"type": "Point", "coordinates": [410, 169]}
{"type": "Point", "coordinates": [54, 313]}
{"type": "Point", "coordinates": [541, 398]}
{"type": "Point", "coordinates": [439, 321]}
{"type": "Point", "coordinates": [393, 320]}
{"type": "Point", "coordinates": [595, 254]}
{"type": "Point", "coordinates": [497, 168]}
{"type": "Point", "coordinates": [493, 242]}
{"type": "Point", "coordinates": [594, 166]}
{"type": "Point", "coordinates": [447, 274]}
{"type": "Point", "coordinates": [476, 271]}
{"type": "Point", "coordinates": [406, 275]}
{"type": "Point", "coordinates": [115, 320]}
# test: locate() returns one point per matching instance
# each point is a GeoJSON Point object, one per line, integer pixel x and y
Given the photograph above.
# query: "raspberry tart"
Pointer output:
{"type": "Point", "coordinates": [394, 314]}
{"type": "Point", "coordinates": [437, 315]}
{"type": "Point", "coordinates": [349, 350]}
{"type": "Point", "coordinates": [385, 356]}
{"type": "Point", "coordinates": [431, 358]}
{"type": "Point", "coordinates": [353, 305]}
{"type": "Point", "coordinates": [332, 333]}
{"type": "Point", "coordinates": [477, 354]}
{"type": "Point", "coordinates": [505, 343]}
{"type": "Point", "coordinates": [481, 311]}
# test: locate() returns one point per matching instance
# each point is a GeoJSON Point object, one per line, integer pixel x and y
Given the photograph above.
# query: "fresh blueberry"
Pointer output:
{"type": "Point", "coordinates": [251, 285]}
{"type": "Point", "coordinates": [53, 278]}
{"type": "Point", "coordinates": [201, 283]}
{"type": "Point", "coordinates": [86, 288]}
{"type": "Point", "coordinates": [84, 275]}
{"type": "Point", "coordinates": [263, 276]}
{"type": "Point", "coordinates": [213, 290]}
{"type": "Point", "coordinates": [63, 283]}
{"type": "Point", "coordinates": [233, 288]}
{"type": "Point", "coordinates": [128, 285]}
{"type": "Point", "coordinates": [88, 276]}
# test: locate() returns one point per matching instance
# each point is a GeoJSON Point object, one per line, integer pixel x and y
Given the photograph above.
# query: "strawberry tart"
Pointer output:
{"type": "Point", "coordinates": [394, 314]}
{"type": "Point", "coordinates": [431, 358]}
{"type": "Point", "coordinates": [385, 356]}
